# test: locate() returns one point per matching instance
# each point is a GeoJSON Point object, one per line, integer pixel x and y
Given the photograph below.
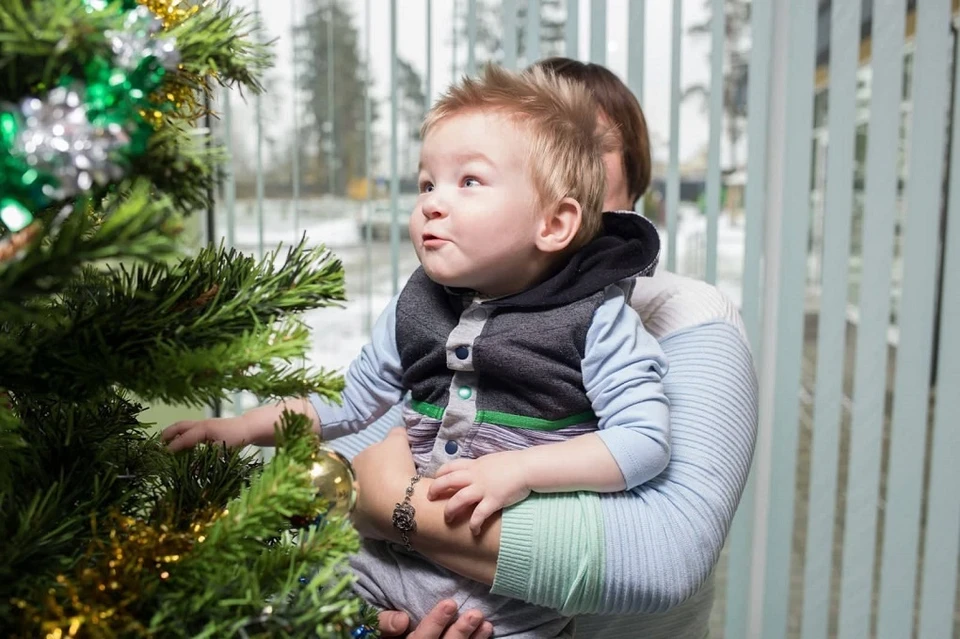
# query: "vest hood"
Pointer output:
{"type": "Point", "coordinates": [628, 246]}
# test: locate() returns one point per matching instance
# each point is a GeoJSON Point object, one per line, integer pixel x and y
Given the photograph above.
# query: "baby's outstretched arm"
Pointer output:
{"type": "Point", "coordinates": [254, 427]}
{"type": "Point", "coordinates": [372, 385]}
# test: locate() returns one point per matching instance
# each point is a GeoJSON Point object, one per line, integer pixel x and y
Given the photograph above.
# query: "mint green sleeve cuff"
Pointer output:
{"type": "Point", "coordinates": [552, 552]}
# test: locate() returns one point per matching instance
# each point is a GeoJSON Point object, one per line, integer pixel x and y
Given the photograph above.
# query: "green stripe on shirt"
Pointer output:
{"type": "Point", "coordinates": [509, 419]}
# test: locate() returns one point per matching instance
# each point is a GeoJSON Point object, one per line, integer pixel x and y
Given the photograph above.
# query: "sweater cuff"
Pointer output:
{"type": "Point", "coordinates": [517, 528]}
{"type": "Point", "coordinates": [552, 552]}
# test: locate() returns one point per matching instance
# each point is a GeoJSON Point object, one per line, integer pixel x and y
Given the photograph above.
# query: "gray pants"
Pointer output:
{"type": "Point", "coordinates": [391, 578]}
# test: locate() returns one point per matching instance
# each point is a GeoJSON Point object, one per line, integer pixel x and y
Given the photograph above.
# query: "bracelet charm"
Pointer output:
{"type": "Point", "coordinates": [404, 512]}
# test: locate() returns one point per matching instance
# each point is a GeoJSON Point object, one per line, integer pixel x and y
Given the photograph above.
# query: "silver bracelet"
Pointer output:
{"type": "Point", "coordinates": [404, 512]}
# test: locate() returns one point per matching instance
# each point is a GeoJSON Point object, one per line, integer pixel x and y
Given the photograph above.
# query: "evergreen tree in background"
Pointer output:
{"type": "Point", "coordinates": [490, 32]}
{"type": "Point", "coordinates": [334, 77]}
{"type": "Point", "coordinates": [412, 110]}
{"type": "Point", "coordinates": [736, 53]}
{"type": "Point", "coordinates": [104, 533]}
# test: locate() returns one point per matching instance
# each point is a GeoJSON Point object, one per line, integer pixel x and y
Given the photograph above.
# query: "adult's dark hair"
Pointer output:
{"type": "Point", "coordinates": [621, 108]}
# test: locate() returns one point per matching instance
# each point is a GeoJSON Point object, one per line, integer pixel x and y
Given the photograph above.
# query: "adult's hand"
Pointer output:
{"type": "Point", "coordinates": [440, 623]}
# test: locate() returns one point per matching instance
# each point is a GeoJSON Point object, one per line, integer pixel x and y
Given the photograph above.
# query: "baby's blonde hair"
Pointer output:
{"type": "Point", "coordinates": [560, 116]}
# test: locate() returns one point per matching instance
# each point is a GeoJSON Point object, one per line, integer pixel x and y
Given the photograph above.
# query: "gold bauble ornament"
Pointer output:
{"type": "Point", "coordinates": [335, 482]}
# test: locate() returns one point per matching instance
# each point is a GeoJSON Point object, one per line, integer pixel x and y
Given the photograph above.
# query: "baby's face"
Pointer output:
{"type": "Point", "coordinates": [477, 216]}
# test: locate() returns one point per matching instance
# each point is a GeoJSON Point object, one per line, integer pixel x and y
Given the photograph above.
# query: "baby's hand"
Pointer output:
{"type": "Point", "coordinates": [492, 482]}
{"type": "Point", "coordinates": [231, 431]}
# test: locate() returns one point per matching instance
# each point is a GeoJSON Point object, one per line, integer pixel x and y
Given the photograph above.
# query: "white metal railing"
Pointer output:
{"type": "Point", "coordinates": [803, 554]}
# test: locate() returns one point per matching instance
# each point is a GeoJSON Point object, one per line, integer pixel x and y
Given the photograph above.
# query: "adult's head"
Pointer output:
{"type": "Point", "coordinates": [628, 166]}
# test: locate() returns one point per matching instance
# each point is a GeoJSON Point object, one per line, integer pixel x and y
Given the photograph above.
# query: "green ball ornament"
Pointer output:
{"type": "Point", "coordinates": [14, 215]}
{"type": "Point", "coordinates": [9, 129]}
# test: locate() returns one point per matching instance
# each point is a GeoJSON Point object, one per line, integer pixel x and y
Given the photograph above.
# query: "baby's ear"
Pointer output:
{"type": "Point", "coordinates": [559, 226]}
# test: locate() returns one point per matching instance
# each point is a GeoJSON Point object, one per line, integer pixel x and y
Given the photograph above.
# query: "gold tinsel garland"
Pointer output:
{"type": "Point", "coordinates": [179, 91]}
{"type": "Point", "coordinates": [119, 572]}
{"type": "Point", "coordinates": [115, 576]}
{"type": "Point", "coordinates": [173, 12]}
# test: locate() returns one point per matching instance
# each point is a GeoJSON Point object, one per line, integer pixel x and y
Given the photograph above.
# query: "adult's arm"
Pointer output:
{"type": "Point", "coordinates": [643, 551]}
{"type": "Point", "coordinates": [383, 471]}
{"type": "Point", "coordinates": [651, 548]}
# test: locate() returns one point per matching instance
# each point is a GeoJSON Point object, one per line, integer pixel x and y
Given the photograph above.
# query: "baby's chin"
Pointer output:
{"type": "Point", "coordinates": [445, 278]}
{"type": "Point", "coordinates": [442, 280]}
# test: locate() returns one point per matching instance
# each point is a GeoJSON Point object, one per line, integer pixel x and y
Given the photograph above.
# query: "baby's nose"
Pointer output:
{"type": "Point", "coordinates": [433, 206]}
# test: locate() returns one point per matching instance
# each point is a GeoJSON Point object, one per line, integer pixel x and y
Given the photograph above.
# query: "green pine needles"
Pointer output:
{"type": "Point", "coordinates": [104, 533]}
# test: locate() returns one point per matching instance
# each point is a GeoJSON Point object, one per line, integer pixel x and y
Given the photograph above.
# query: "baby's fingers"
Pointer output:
{"type": "Point", "coordinates": [175, 430]}
{"type": "Point", "coordinates": [482, 512]}
{"type": "Point", "coordinates": [461, 502]}
{"type": "Point", "coordinates": [454, 466]}
{"type": "Point", "coordinates": [448, 484]}
{"type": "Point", "coordinates": [187, 438]}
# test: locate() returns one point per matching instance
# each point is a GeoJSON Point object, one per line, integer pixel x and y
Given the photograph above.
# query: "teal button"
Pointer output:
{"type": "Point", "coordinates": [464, 392]}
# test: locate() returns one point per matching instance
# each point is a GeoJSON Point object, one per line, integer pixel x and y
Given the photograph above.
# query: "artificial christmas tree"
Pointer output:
{"type": "Point", "coordinates": [103, 533]}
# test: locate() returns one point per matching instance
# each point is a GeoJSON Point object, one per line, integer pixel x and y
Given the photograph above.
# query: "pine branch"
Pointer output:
{"type": "Point", "coordinates": [220, 42]}
{"type": "Point", "coordinates": [135, 224]}
{"type": "Point", "coordinates": [117, 469]}
{"type": "Point", "coordinates": [289, 589]}
{"type": "Point", "coordinates": [198, 479]}
{"type": "Point", "coordinates": [77, 463]}
{"type": "Point", "coordinates": [179, 165]}
{"type": "Point", "coordinates": [102, 527]}
{"type": "Point", "coordinates": [40, 42]}
{"type": "Point", "coordinates": [324, 602]}
{"type": "Point", "coordinates": [283, 490]}
{"type": "Point", "coordinates": [118, 327]}
{"type": "Point", "coordinates": [9, 423]}
{"type": "Point", "coordinates": [11, 442]}
{"type": "Point", "coordinates": [235, 571]}
{"type": "Point", "coordinates": [257, 362]}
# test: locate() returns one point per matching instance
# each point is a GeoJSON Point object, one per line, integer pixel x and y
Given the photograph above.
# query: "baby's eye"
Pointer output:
{"type": "Point", "coordinates": [470, 181]}
{"type": "Point", "coordinates": [426, 187]}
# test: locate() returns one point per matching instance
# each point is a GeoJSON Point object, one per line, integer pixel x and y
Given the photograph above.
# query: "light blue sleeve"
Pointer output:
{"type": "Point", "coordinates": [652, 548]}
{"type": "Point", "coordinates": [623, 368]}
{"type": "Point", "coordinates": [373, 384]}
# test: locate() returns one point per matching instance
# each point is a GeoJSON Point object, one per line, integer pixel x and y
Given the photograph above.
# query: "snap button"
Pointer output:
{"type": "Point", "coordinates": [480, 314]}
{"type": "Point", "coordinates": [464, 392]}
{"type": "Point", "coordinates": [462, 352]}
{"type": "Point", "coordinates": [451, 447]}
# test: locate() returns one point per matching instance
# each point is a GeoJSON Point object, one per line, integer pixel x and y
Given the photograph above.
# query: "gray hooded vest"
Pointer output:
{"type": "Point", "coordinates": [506, 373]}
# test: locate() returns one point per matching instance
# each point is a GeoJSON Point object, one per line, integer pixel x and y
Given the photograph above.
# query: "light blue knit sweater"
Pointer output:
{"type": "Point", "coordinates": [644, 560]}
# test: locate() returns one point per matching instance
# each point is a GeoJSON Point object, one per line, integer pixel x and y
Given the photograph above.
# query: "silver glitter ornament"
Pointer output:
{"type": "Point", "coordinates": [58, 139]}
{"type": "Point", "coordinates": [137, 41]}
